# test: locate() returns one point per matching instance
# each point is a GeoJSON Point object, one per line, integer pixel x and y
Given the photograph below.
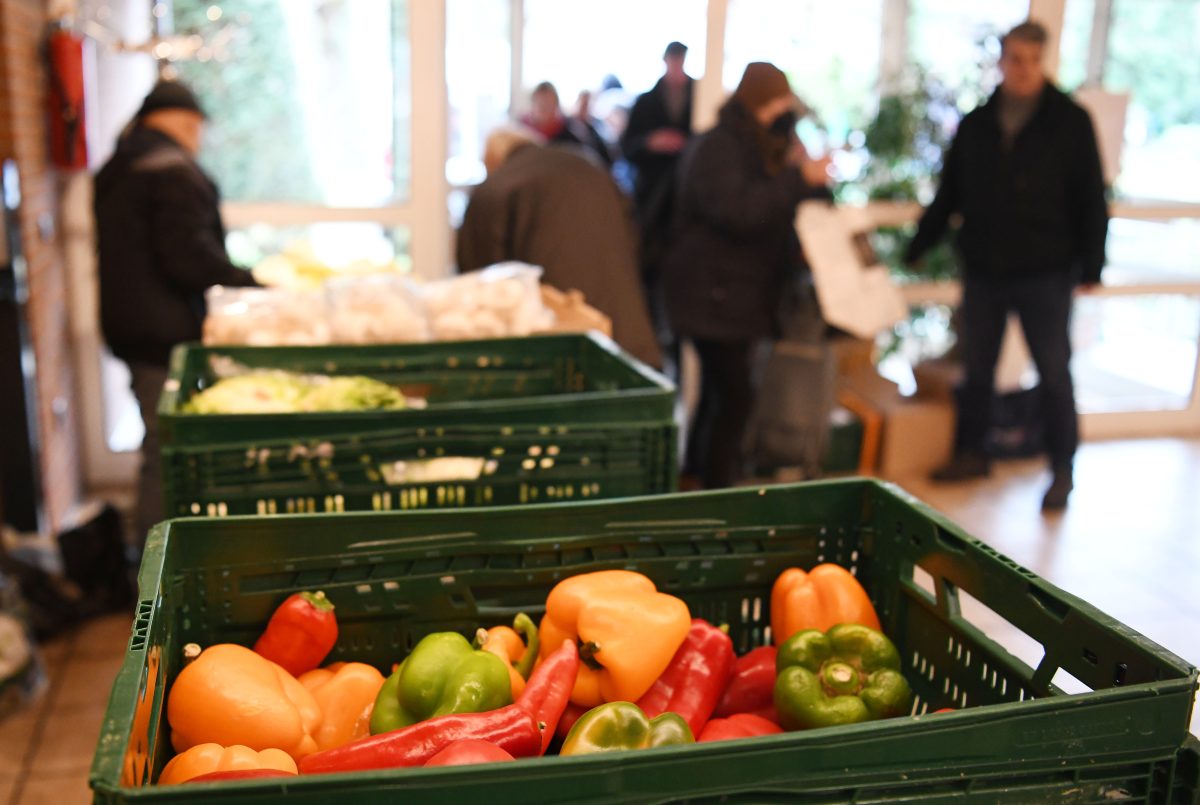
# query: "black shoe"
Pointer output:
{"type": "Point", "coordinates": [1056, 495]}
{"type": "Point", "coordinates": [963, 468]}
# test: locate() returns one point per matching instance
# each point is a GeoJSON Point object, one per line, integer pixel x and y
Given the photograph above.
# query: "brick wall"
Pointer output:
{"type": "Point", "coordinates": [23, 137]}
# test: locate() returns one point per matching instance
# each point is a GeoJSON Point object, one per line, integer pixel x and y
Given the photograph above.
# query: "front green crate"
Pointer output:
{"type": "Point", "coordinates": [1016, 737]}
{"type": "Point", "coordinates": [544, 419]}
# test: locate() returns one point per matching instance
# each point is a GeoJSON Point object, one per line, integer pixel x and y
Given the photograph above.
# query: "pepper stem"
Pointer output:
{"type": "Point", "coordinates": [840, 678]}
{"type": "Point", "coordinates": [190, 652]}
{"type": "Point", "coordinates": [525, 626]}
{"type": "Point", "coordinates": [481, 638]}
{"type": "Point", "coordinates": [587, 655]}
{"type": "Point", "coordinates": [318, 600]}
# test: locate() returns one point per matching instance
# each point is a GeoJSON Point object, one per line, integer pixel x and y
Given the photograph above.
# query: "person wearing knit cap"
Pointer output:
{"type": "Point", "coordinates": [736, 248]}
{"type": "Point", "coordinates": [161, 245]}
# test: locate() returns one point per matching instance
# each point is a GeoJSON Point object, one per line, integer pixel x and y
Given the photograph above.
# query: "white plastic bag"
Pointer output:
{"type": "Point", "coordinates": [265, 317]}
{"type": "Point", "coordinates": [379, 309]}
{"type": "Point", "coordinates": [498, 301]}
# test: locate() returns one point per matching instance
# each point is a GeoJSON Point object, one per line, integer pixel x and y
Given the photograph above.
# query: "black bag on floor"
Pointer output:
{"type": "Point", "coordinates": [94, 559]}
{"type": "Point", "coordinates": [789, 428]}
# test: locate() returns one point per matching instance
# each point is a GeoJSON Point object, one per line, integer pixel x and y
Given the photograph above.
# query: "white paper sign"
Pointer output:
{"type": "Point", "coordinates": [858, 298]}
{"type": "Point", "coordinates": [1108, 118]}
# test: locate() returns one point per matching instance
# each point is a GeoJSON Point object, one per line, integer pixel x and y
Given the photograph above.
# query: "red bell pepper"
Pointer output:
{"type": "Point", "coordinates": [752, 686]}
{"type": "Point", "coordinates": [739, 725]}
{"type": "Point", "coordinates": [548, 691]}
{"type": "Point", "coordinates": [572, 714]}
{"type": "Point", "coordinates": [300, 634]}
{"type": "Point", "coordinates": [239, 774]}
{"type": "Point", "coordinates": [466, 753]}
{"type": "Point", "coordinates": [511, 728]}
{"type": "Point", "coordinates": [695, 678]}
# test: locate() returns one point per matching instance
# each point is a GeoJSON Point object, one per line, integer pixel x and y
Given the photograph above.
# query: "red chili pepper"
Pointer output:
{"type": "Point", "coordinates": [300, 633]}
{"type": "Point", "coordinates": [573, 713]}
{"type": "Point", "coordinates": [239, 774]}
{"type": "Point", "coordinates": [466, 753]}
{"type": "Point", "coordinates": [739, 725]}
{"type": "Point", "coordinates": [693, 682]}
{"type": "Point", "coordinates": [752, 687]}
{"type": "Point", "coordinates": [548, 691]}
{"type": "Point", "coordinates": [511, 728]}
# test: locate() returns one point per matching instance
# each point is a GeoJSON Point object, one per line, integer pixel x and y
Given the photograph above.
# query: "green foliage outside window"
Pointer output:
{"type": "Point", "coordinates": [254, 144]}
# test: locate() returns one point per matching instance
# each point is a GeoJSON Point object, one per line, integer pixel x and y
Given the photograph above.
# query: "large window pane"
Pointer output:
{"type": "Point", "coordinates": [342, 245]}
{"type": "Point", "coordinates": [1153, 252]}
{"type": "Point", "coordinates": [478, 81]}
{"type": "Point", "coordinates": [1152, 54]}
{"type": "Point", "coordinates": [958, 42]}
{"type": "Point", "coordinates": [309, 100]}
{"type": "Point", "coordinates": [1135, 353]}
{"type": "Point", "coordinates": [1075, 43]}
{"type": "Point", "coordinates": [830, 52]}
{"type": "Point", "coordinates": [574, 43]}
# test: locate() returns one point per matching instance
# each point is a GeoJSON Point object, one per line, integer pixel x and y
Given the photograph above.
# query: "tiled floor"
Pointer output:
{"type": "Point", "coordinates": [1129, 544]}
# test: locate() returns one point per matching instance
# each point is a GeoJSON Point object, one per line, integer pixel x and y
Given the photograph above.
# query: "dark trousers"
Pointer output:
{"type": "Point", "coordinates": [1043, 305]}
{"type": "Point", "coordinates": [726, 400]}
{"type": "Point", "coordinates": [147, 381]}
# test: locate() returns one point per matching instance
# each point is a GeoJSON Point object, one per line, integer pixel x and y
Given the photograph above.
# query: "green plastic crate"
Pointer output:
{"type": "Point", "coordinates": [549, 418]}
{"type": "Point", "coordinates": [398, 576]}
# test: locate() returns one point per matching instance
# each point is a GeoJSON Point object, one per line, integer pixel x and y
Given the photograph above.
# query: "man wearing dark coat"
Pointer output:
{"type": "Point", "coordinates": [1024, 174]}
{"type": "Point", "coordinates": [554, 207]}
{"type": "Point", "coordinates": [161, 245]}
{"type": "Point", "coordinates": [659, 127]}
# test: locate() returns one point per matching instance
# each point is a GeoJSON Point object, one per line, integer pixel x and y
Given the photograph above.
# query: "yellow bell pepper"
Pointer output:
{"type": "Point", "coordinates": [231, 696]}
{"type": "Point", "coordinates": [207, 758]}
{"type": "Point", "coordinates": [627, 630]}
{"type": "Point", "coordinates": [345, 692]}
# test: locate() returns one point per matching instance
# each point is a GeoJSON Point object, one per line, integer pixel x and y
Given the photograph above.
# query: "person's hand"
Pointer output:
{"type": "Point", "coordinates": [666, 141]}
{"type": "Point", "coordinates": [816, 171]}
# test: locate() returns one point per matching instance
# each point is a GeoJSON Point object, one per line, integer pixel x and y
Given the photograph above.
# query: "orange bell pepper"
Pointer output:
{"type": "Point", "coordinates": [345, 692]}
{"type": "Point", "coordinates": [823, 597]}
{"type": "Point", "coordinates": [506, 643]}
{"type": "Point", "coordinates": [627, 630]}
{"type": "Point", "coordinates": [229, 695]}
{"type": "Point", "coordinates": [204, 759]}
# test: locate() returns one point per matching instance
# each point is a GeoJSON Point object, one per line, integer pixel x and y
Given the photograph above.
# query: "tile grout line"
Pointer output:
{"type": "Point", "coordinates": [39, 725]}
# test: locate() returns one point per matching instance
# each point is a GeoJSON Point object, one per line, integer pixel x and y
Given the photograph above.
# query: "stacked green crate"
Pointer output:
{"type": "Point", "coordinates": [540, 419]}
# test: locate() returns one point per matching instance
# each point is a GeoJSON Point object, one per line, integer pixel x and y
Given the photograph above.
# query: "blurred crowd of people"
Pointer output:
{"type": "Point", "coordinates": [702, 245]}
{"type": "Point", "coordinates": [673, 234]}
{"type": "Point", "coordinates": [698, 247]}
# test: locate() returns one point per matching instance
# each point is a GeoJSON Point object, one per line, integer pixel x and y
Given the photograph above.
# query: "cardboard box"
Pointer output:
{"type": "Point", "coordinates": [937, 379]}
{"type": "Point", "coordinates": [917, 434]}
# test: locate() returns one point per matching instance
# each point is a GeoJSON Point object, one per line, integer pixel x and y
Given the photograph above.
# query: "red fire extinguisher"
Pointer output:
{"type": "Point", "coordinates": [68, 139]}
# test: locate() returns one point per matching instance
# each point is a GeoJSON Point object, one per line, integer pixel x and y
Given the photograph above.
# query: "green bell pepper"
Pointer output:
{"type": "Point", "coordinates": [618, 726]}
{"type": "Point", "coordinates": [442, 675]}
{"type": "Point", "coordinates": [848, 674]}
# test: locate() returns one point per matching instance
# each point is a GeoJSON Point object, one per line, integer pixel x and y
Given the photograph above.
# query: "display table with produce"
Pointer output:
{"type": "Point", "coordinates": [275, 430]}
{"type": "Point", "coordinates": [764, 643]}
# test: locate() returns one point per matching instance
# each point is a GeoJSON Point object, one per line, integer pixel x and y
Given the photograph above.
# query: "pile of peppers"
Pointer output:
{"type": "Point", "coordinates": [614, 665]}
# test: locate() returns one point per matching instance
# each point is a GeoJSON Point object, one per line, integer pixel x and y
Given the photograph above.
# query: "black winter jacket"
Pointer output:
{"type": "Point", "coordinates": [161, 245]}
{"type": "Point", "coordinates": [1035, 208]}
{"type": "Point", "coordinates": [735, 242]}
{"type": "Point", "coordinates": [655, 171]}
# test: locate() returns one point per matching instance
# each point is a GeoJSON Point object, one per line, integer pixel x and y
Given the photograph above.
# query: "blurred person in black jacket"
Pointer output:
{"type": "Point", "coordinates": [161, 245]}
{"type": "Point", "coordinates": [734, 252]}
{"type": "Point", "coordinates": [658, 129]}
{"type": "Point", "coordinates": [1024, 174]}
